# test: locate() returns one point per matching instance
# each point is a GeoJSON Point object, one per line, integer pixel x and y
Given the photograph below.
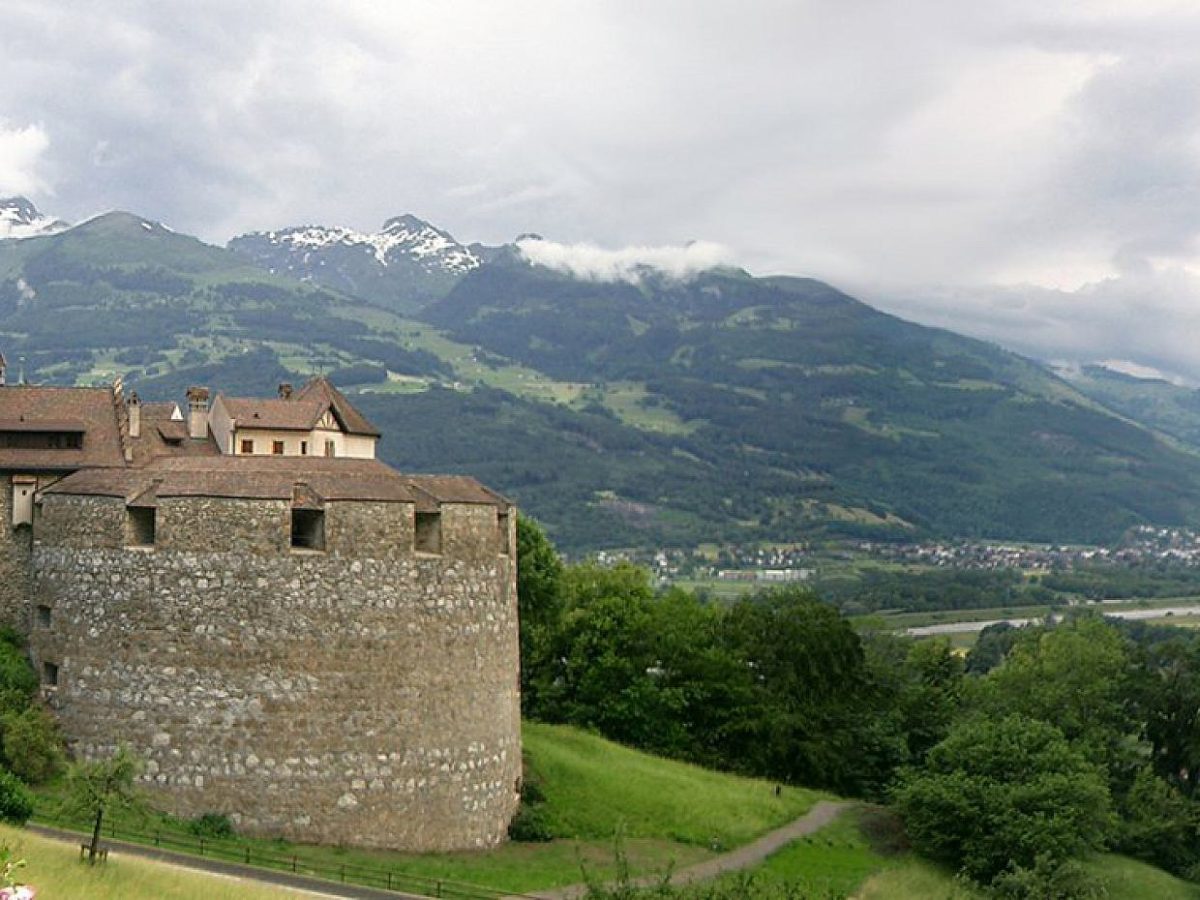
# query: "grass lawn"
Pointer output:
{"type": "Point", "coordinates": [53, 869]}
{"type": "Point", "coordinates": [667, 812]}
{"type": "Point", "coordinates": [1127, 879]}
{"type": "Point", "coordinates": [594, 786]}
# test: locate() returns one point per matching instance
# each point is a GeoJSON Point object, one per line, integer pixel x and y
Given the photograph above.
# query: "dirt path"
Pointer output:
{"type": "Point", "coordinates": [741, 858]}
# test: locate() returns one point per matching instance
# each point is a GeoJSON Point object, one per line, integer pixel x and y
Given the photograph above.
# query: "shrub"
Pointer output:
{"type": "Point", "coordinates": [530, 825]}
{"type": "Point", "coordinates": [1049, 879]}
{"type": "Point", "coordinates": [1001, 793]}
{"type": "Point", "coordinates": [32, 745]}
{"type": "Point", "coordinates": [15, 804]}
{"type": "Point", "coordinates": [212, 825]}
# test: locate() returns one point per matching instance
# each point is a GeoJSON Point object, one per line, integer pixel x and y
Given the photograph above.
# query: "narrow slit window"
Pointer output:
{"type": "Point", "coordinates": [502, 522]}
{"type": "Point", "coordinates": [304, 448]}
{"type": "Point", "coordinates": [43, 616]}
{"type": "Point", "coordinates": [50, 674]}
{"type": "Point", "coordinates": [427, 536]}
{"type": "Point", "coordinates": [308, 529]}
{"type": "Point", "coordinates": [142, 526]}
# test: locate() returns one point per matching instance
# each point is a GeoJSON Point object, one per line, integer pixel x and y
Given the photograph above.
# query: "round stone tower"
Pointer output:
{"type": "Point", "coordinates": [324, 650]}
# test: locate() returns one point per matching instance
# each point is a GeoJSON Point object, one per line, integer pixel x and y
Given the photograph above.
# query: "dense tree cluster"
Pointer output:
{"type": "Point", "coordinates": [1046, 743]}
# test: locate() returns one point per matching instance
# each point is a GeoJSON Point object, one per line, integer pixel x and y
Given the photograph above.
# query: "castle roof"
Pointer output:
{"type": "Point", "coordinates": [60, 410]}
{"type": "Point", "coordinates": [276, 478]}
{"type": "Point", "coordinates": [300, 412]}
{"type": "Point", "coordinates": [275, 414]}
{"type": "Point", "coordinates": [352, 421]}
{"type": "Point", "coordinates": [164, 435]}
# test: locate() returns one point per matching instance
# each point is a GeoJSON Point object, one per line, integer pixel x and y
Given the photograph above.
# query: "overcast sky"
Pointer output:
{"type": "Point", "coordinates": [1023, 171]}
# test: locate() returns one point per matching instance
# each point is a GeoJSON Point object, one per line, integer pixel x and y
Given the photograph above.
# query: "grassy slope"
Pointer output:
{"type": "Point", "coordinates": [54, 871]}
{"type": "Point", "coordinates": [593, 786]}
{"type": "Point", "coordinates": [1127, 879]}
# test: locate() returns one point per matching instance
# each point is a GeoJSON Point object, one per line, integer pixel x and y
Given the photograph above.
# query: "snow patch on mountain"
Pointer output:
{"type": "Point", "coordinates": [20, 219]}
{"type": "Point", "coordinates": [404, 236]}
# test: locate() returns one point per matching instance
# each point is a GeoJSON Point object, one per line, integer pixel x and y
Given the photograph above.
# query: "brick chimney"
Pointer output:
{"type": "Point", "coordinates": [3, 366]}
{"type": "Point", "coordinates": [197, 398]}
{"type": "Point", "coordinates": [134, 407]}
{"type": "Point", "coordinates": [285, 391]}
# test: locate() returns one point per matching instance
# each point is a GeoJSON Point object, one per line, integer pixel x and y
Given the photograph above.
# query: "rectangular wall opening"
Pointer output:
{"type": "Point", "coordinates": [43, 616]}
{"type": "Point", "coordinates": [50, 674]}
{"type": "Point", "coordinates": [502, 523]}
{"type": "Point", "coordinates": [308, 529]}
{"type": "Point", "coordinates": [140, 525]}
{"type": "Point", "coordinates": [427, 535]}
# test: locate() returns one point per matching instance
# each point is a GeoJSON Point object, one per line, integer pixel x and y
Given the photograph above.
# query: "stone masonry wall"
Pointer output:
{"type": "Point", "coordinates": [14, 563]}
{"type": "Point", "coordinates": [366, 695]}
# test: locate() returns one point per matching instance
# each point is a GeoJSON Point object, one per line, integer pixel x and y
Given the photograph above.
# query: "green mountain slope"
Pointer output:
{"type": "Point", "coordinates": [724, 408]}
{"type": "Point", "coordinates": [805, 404]}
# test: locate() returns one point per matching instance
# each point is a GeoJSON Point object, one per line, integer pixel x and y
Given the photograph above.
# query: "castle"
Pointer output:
{"type": "Point", "coordinates": [288, 631]}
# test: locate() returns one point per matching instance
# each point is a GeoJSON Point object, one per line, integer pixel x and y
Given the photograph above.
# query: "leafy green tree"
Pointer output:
{"type": "Point", "coordinates": [33, 747]}
{"type": "Point", "coordinates": [16, 806]}
{"type": "Point", "coordinates": [810, 688]}
{"type": "Point", "coordinates": [1005, 791]}
{"type": "Point", "coordinates": [18, 681]}
{"type": "Point", "coordinates": [1159, 825]}
{"type": "Point", "coordinates": [1171, 702]}
{"type": "Point", "coordinates": [95, 788]}
{"type": "Point", "coordinates": [1079, 676]}
{"type": "Point", "coordinates": [540, 604]}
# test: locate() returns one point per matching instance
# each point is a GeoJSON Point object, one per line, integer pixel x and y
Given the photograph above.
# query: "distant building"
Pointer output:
{"type": "Point", "coordinates": [287, 630]}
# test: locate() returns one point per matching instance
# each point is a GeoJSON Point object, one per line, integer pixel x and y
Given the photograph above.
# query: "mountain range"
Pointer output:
{"type": "Point", "coordinates": [657, 411]}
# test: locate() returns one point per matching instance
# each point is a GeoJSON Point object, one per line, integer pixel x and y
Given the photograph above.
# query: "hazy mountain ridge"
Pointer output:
{"type": "Point", "coordinates": [718, 407]}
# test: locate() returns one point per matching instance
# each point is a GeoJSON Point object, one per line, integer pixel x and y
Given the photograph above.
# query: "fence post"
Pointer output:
{"type": "Point", "coordinates": [438, 891]}
{"type": "Point", "coordinates": [343, 872]}
{"type": "Point", "coordinates": [247, 854]}
{"type": "Point", "coordinates": [201, 846]}
{"type": "Point", "coordinates": [389, 879]}
{"type": "Point", "coordinates": [293, 865]}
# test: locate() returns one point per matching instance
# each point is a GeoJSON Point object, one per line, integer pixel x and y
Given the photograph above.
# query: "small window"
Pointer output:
{"type": "Point", "coordinates": [141, 525]}
{"type": "Point", "coordinates": [502, 527]}
{"type": "Point", "coordinates": [50, 674]}
{"type": "Point", "coordinates": [330, 448]}
{"type": "Point", "coordinates": [43, 616]}
{"type": "Point", "coordinates": [427, 537]}
{"type": "Point", "coordinates": [308, 529]}
{"type": "Point", "coordinates": [304, 448]}
{"type": "Point", "coordinates": [277, 448]}
{"type": "Point", "coordinates": [247, 446]}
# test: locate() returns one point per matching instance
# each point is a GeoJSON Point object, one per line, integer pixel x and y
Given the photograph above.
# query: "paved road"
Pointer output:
{"type": "Point", "coordinates": [741, 858]}
{"type": "Point", "coordinates": [1132, 614]}
{"type": "Point", "coordinates": [314, 886]}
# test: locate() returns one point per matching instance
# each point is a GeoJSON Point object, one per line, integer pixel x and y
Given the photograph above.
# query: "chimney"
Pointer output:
{"type": "Point", "coordinates": [285, 391]}
{"type": "Point", "coordinates": [3, 366]}
{"type": "Point", "coordinates": [135, 415]}
{"type": "Point", "coordinates": [197, 398]}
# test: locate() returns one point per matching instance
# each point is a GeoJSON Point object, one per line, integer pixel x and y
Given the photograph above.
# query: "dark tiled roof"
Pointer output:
{"type": "Point", "coordinates": [351, 420]}
{"type": "Point", "coordinates": [276, 478]}
{"type": "Point", "coordinates": [276, 414]}
{"type": "Point", "coordinates": [163, 436]}
{"type": "Point", "coordinates": [49, 426]}
{"type": "Point", "coordinates": [92, 408]}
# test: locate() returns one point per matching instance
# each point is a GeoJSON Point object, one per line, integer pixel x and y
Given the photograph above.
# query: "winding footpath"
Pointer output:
{"type": "Point", "coordinates": [741, 858]}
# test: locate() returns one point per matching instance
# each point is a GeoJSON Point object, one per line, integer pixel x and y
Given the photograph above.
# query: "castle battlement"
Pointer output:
{"type": "Point", "coordinates": [321, 648]}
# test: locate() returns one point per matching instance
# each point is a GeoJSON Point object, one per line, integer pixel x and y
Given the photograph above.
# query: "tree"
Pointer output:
{"type": "Point", "coordinates": [1078, 676]}
{"type": "Point", "coordinates": [94, 788]}
{"type": "Point", "coordinates": [540, 607]}
{"type": "Point", "coordinates": [32, 744]}
{"type": "Point", "coordinates": [1172, 707]}
{"type": "Point", "coordinates": [999, 792]}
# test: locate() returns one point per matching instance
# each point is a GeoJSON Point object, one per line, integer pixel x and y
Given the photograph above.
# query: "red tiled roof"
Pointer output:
{"type": "Point", "coordinates": [90, 410]}
{"type": "Point", "coordinates": [275, 413]}
{"type": "Point", "coordinates": [276, 478]}
{"type": "Point", "coordinates": [351, 420]}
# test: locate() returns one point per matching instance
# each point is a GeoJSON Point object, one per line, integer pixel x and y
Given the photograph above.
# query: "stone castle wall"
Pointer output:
{"type": "Point", "coordinates": [363, 695]}
{"type": "Point", "coordinates": [14, 563]}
